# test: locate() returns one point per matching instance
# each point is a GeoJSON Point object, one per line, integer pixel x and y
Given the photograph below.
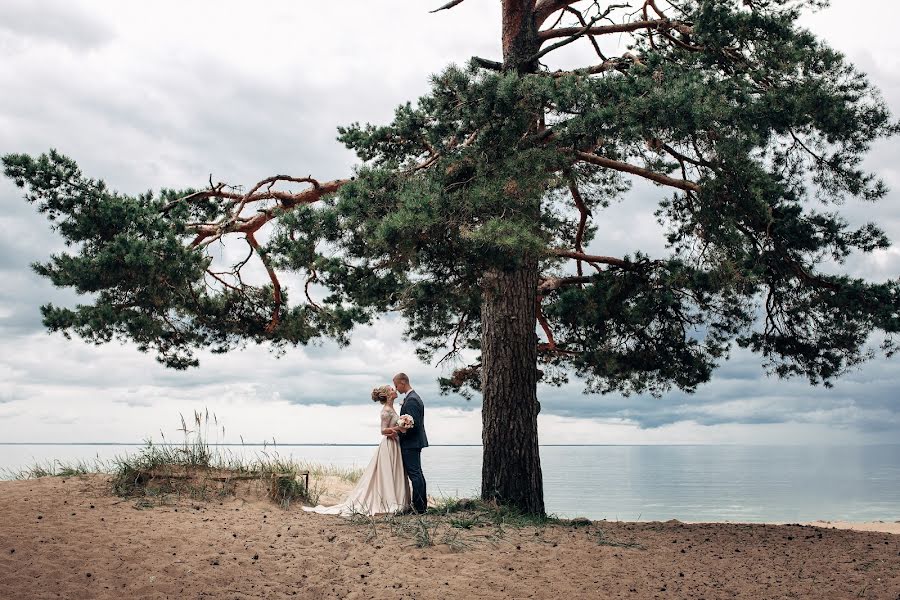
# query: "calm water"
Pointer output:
{"type": "Point", "coordinates": [691, 483]}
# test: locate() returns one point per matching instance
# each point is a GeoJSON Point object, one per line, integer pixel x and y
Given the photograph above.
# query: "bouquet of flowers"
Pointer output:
{"type": "Point", "coordinates": [406, 422]}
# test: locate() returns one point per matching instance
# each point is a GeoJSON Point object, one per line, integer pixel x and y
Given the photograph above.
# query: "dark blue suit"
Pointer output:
{"type": "Point", "coordinates": [411, 444]}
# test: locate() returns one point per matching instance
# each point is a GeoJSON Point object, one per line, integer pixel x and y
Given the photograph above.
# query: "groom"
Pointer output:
{"type": "Point", "coordinates": [412, 441]}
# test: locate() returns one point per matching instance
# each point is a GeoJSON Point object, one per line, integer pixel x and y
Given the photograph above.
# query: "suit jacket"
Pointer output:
{"type": "Point", "coordinates": [414, 407]}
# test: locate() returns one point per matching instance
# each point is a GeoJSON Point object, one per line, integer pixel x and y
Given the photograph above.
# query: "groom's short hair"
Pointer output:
{"type": "Point", "coordinates": [403, 377]}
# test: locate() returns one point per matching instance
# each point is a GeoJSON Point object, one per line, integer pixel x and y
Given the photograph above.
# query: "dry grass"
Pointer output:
{"type": "Point", "coordinates": [57, 468]}
{"type": "Point", "coordinates": [199, 469]}
{"type": "Point", "coordinates": [458, 523]}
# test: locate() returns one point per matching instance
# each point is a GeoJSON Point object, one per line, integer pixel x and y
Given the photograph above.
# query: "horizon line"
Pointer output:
{"type": "Point", "coordinates": [360, 444]}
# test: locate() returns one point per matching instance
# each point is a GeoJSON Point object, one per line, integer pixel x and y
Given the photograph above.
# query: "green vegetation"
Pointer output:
{"type": "Point", "coordinates": [286, 489]}
{"type": "Point", "coordinates": [57, 468]}
{"type": "Point", "coordinates": [199, 469]}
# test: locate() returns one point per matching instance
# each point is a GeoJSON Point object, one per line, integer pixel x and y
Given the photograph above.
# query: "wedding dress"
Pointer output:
{"type": "Point", "coordinates": [383, 487]}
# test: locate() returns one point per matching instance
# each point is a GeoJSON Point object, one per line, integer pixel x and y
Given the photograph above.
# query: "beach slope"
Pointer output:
{"type": "Point", "coordinates": [69, 538]}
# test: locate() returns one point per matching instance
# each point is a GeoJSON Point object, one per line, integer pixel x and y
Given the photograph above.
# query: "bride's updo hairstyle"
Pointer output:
{"type": "Point", "coordinates": [381, 394]}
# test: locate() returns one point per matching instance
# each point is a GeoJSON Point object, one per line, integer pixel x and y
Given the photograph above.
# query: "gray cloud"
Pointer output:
{"type": "Point", "coordinates": [56, 21]}
{"type": "Point", "coordinates": [145, 106]}
{"type": "Point", "coordinates": [11, 394]}
{"type": "Point", "coordinates": [23, 291]}
{"type": "Point", "coordinates": [740, 393]}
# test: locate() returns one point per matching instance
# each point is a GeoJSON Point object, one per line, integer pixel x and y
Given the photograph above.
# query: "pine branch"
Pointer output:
{"type": "Point", "coordinates": [276, 285]}
{"type": "Point", "coordinates": [551, 343]}
{"type": "Point", "coordinates": [660, 178]}
{"type": "Point", "coordinates": [584, 23]}
{"type": "Point", "coordinates": [609, 64]}
{"type": "Point", "coordinates": [651, 24]}
{"type": "Point", "coordinates": [606, 260]}
{"type": "Point", "coordinates": [485, 63]}
{"type": "Point", "coordinates": [586, 29]}
{"type": "Point", "coordinates": [582, 222]}
{"type": "Point", "coordinates": [545, 8]}
{"type": "Point", "coordinates": [551, 284]}
{"type": "Point", "coordinates": [447, 6]}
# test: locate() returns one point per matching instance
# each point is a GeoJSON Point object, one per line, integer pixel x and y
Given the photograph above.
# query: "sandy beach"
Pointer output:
{"type": "Point", "coordinates": [882, 526]}
{"type": "Point", "coordinates": [69, 538]}
{"type": "Point", "coordinates": [875, 526]}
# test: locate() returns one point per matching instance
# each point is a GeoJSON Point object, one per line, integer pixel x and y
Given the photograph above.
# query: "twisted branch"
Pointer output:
{"type": "Point", "coordinates": [276, 285]}
{"type": "Point", "coordinates": [660, 178]}
{"type": "Point", "coordinates": [454, 347]}
{"type": "Point", "coordinates": [582, 223]}
{"type": "Point", "coordinates": [551, 343]}
{"type": "Point", "coordinates": [586, 29]}
{"type": "Point", "coordinates": [235, 224]}
{"type": "Point", "coordinates": [584, 23]}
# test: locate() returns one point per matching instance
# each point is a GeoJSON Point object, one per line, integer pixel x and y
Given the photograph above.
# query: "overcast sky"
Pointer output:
{"type": "Point", "coordinates": [162, 98]}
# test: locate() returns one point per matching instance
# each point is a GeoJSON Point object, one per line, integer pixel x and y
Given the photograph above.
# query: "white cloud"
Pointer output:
{"type": "Point", "coordinates": [145, 100]}
{"type": "Point", "coordinates": [55, 22]}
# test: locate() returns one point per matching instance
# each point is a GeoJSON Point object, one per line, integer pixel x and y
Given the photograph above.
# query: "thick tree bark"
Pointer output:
{"type": "Point", "coordinates": [520, 36]}
{"type": "Point", "coordinates": [511, 472]}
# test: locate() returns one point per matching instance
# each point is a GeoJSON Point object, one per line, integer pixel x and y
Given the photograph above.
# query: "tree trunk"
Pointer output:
{"type": "Point", "coordinates": [511, 472]}
{"type": "Point", "coordinates": [520, 36]}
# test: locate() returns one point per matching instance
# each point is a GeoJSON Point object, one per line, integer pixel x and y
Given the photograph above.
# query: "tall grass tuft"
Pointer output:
{"type": "Point", "coordinates": [199, 466]}
{"type": "Point", "coordinates": [287, 488]}
{"type": "Point", "coordinates": [57, 468]}
{"type": "Point", "coordinates": [194, 464]}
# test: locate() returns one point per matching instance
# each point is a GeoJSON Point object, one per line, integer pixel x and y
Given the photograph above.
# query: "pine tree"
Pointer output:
{"type": "Point", "coordinates": [470, 214]}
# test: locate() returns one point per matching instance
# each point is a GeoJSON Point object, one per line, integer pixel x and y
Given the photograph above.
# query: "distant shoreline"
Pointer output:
{"type": "Point", "coordinates": [709, 483]}
{"type": "Point", "coordinates": [892, 527]}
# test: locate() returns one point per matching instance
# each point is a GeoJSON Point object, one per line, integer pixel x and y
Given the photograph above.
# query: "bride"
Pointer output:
{"type": "Point", "coordinates": [383, 487]}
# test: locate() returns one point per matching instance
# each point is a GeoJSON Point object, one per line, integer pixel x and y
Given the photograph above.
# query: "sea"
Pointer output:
{"type": "Point", "coordinates": [727, 483]}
